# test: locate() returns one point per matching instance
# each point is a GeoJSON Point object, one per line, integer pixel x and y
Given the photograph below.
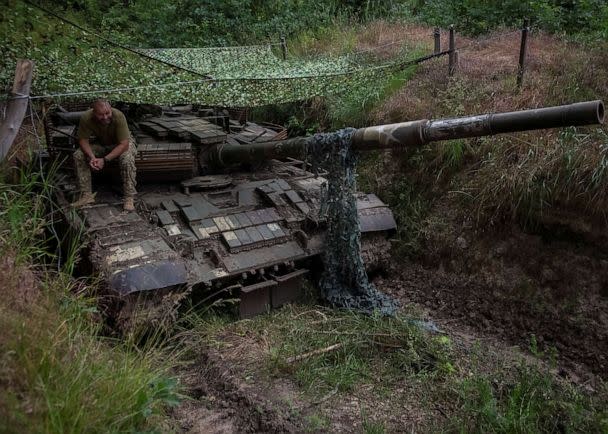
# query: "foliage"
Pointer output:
{"type": "Point", "coordinates": [479, 16]}
{"type": "Point", "coordinates": [58, 375]}
{"type": "Point", "coordinates": [531, 401]}
{"type": "Point", "coordinates": [353, 106]}
{"type": "Point", "coordinates": [569, 173]}
{"type": "Point", "coordinates": [204, 23]}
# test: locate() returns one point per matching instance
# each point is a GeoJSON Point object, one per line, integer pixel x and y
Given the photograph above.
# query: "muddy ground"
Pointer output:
{"type": "Point", "coordinates": [514, 294]}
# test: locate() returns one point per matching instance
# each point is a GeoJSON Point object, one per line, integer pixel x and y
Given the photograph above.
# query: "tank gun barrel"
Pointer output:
{"type": "Point", "coordinates": [419, 132]}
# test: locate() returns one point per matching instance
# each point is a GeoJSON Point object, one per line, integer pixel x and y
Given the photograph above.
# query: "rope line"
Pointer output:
{"type": "Point", "coordinates": [219, 47]}
{"type": "Point", "coordinates": [477, 42]}
{"type": "Point", "coordinates": [103, 38]}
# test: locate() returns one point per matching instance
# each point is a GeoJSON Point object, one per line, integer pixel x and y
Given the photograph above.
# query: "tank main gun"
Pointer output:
{"type": "Point", "coordinates": [419, 132]}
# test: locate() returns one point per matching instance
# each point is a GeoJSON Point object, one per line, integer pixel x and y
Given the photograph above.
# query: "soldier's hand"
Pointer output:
{"type": "Point", "coordinates": [97, 164]}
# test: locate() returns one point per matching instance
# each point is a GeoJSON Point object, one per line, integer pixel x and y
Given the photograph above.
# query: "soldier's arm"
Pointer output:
{"type": "Point", "coordinates": [122, 136]}
{"type": "Point", "coordinates": [118, 150]}
{"type": "Point", "coordinates": [86, 149]}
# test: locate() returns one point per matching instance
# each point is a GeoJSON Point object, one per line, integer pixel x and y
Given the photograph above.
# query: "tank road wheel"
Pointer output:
{"type": "Point", "coordinates": [150, 311]}
{"type": "Point", "coordinates": [375, 251]}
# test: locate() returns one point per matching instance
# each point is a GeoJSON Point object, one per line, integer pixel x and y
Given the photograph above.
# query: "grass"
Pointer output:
{"type": "Point", "coordinates": [531, 401]}
{"type": "Point", "coordinates": [58, 373]}
{"type": "Point", "coordinates": [334, 356]}
{"type": "Point", "coordinates": [353, 108]}
{"type": "Point", "coordinates": [329, 351]}
{"type": "Point", "coordinates": [569, 173]}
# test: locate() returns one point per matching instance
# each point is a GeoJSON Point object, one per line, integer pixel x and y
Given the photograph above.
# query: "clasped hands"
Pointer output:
{"type": "Point", "coordinates": [97, 164]}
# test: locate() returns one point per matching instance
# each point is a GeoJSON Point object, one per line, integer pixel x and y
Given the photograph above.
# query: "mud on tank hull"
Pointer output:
{"type": "Point", "coordinates": [251, 234]}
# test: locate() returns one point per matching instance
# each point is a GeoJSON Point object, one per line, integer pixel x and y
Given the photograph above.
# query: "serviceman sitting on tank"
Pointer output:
{"type": "Point", "coordinates": [109, 126]}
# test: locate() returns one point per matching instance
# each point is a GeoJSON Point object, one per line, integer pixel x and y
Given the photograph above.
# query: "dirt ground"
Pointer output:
{"type": "Point", "coordinates": [512, 293]}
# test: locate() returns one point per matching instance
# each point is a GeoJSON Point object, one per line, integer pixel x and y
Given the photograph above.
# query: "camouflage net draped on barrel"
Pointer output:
{"type": "Point", "coordinates": [344, 282]}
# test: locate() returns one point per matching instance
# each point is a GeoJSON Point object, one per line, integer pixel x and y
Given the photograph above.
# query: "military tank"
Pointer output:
{"type": "Point", "coordinates": [229, 208]}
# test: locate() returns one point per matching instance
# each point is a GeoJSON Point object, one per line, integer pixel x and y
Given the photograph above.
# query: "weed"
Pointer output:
{"type": "Point", "coordinates": [315, 423]}
{"type": "Point", "coordinates": [569, 172]}
{"type": "Point", "coordinates": [371, 427]}
{"type": "Point", "coordinates": [333, 351]}
{"type": "Point", "coordinates": [409, 208]}
{"type": "Point", "coordinates": [58, 374]}
{"type": "Point", "coordinates": [530, 402]}
{"type": "Point", "coordinates": [353, 108]}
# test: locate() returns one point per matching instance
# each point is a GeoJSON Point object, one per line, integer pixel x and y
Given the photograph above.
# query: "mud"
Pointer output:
{"type": "Point", "coordinates": [517, 286]}
{"type": "Point", "coordinates": [223, 402]}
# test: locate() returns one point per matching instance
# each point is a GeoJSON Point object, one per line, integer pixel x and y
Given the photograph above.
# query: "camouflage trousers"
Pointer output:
{"type": "Point", "coordinates": [126, 161]}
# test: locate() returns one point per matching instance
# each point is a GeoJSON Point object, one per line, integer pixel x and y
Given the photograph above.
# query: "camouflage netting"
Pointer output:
{"type": "Point", "coordinates": [344, 282]}
{"type": "Point", "coordinates": [79, 65]}
{"type": "Point", "coordinates": [252, 62]}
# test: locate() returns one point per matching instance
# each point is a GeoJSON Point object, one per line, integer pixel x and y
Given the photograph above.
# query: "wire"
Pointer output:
{"type": "Point", "coordinates": [219, 47]}
{"type": "Point", "coordinates": [479, 42]}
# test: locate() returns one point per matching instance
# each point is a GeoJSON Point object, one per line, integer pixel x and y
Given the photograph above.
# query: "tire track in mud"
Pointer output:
{"type": "Point", "coordinates": [222, 403]}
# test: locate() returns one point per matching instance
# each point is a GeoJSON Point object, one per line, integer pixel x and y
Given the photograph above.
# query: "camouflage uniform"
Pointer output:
{"type": "Point", "coordinates": [127, 168]}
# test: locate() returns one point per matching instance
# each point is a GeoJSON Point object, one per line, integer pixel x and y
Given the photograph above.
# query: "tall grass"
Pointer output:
{"type": "Point", "coordinates": [568, 173]}
{"type": "Point", "coordinates": [57, 373]}
{"type": "Point", "coordinates": [532, 400]}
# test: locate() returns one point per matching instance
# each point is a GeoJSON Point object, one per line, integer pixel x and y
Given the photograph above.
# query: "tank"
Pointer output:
{"type": "Point", "coordinates": [230, 209]}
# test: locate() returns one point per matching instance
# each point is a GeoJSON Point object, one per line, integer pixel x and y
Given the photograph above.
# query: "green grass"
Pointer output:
{"type": "Point", "coordinates": [352, 109]}
{"type": "Point", "coordinates": [329, 351]}
{"type": "Point", "coordinates": [475, 391]}
{"type": "Point", "coordinates": [58, 374]}
{"type": "Point", "coordinates": [571, 172]}
{"type": "Point", "coordinates": [531, 401]}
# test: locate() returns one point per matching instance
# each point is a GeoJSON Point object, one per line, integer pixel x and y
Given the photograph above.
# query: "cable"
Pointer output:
{"type": "Point", "coordinates": [479, 42]}
{"type": "Point", "coordinates": [226, 47]}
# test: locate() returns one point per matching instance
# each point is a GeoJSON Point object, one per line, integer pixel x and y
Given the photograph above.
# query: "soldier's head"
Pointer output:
{"type": "Point", "coordinates": [102, 111]}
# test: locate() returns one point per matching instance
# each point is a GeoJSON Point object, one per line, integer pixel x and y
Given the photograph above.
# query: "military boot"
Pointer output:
{"type": "Point", "coordinates": [128, 204]}
{"type": "Point", "coordinates": [86, 198]}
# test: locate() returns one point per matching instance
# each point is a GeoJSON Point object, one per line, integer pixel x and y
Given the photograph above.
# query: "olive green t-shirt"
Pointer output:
{"type": "Point", "coordinates": [108, 135]}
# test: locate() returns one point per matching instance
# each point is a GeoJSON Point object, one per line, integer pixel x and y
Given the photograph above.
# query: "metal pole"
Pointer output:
{"type": "Point", "coordinates": [452, 50]}
{"type": "Point", "coordinates": [437, 40]}
{"type": "Point", "coordinates": [283, 47]}
{"type": "Point", "coordinates": [522, 52]}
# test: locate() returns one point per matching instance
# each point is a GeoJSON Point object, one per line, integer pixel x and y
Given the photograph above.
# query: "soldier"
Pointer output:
{"type": "Point", "coordinates": [110, 128]}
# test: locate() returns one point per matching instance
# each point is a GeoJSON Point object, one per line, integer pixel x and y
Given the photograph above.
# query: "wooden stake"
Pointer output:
{"type": "Point", "coordinates": [523, 48]}
{"type": "Point", "coordinates": [16, 106]}
{"type": "Point", "coordinates": [452, 50]}
{"type": "Point", "coordinates": [437, 40]}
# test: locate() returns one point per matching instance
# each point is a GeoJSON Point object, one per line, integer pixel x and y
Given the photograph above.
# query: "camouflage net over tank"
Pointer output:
{"type": "Point", "coordinates": [344, 282]}
{"type": "Point", "coordinates": [72, 64]}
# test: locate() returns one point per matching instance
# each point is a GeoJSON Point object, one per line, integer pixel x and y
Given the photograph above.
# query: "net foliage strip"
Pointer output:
{"type": "Point", "coordinates": [344, 282]}
{"type": "Point", "coordinates": [74, 64]}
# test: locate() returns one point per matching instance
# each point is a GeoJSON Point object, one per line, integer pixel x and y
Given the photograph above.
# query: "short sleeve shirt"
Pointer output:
{"type": "Point", "coordinates": [108, 135]}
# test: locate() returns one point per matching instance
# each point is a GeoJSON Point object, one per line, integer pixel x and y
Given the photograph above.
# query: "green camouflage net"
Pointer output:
{"type": "Point", "coordinates": [74, 64]}
{"type": "Point", "coordinates": [344, 282]}
{"type": "Point", "coordinates": [253, 62]}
